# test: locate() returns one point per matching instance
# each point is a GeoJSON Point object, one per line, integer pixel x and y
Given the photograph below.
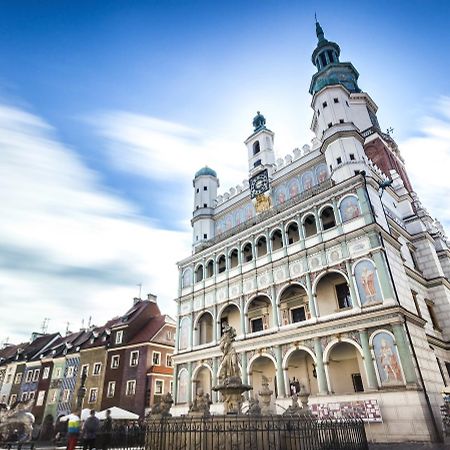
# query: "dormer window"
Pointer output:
{"type": "Point", "coordinates": [119, 336]}
{"type": "Point", "coordinates": [256, 148]}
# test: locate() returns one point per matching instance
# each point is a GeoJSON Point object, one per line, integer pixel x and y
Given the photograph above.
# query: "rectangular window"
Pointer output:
{"type": "Point", "coordinates": [433, 317]}
{"type": "Point", "coordinates": [205, 188]}
{"type": "Point", "coordinates": [40, 398]}
{"type": "Point", "coordinates": [352, 156]}
{"type": "Point", "coordinates": [18, 378]}
{"type": "Point", "coordinates": [169, 360]}
{"type": "Point", "coordinates": [338, 160]}
{"type": "Point", "coordinates": [8, 378]}
{"type": "Point", "coordinates": [205, 205]}
{"type": "Point", "coordinates": [97, 368]}
{"type": "Point", "coordinates": [131, 387]}
{"type": "Point", "coordinates": [111, 389]}
{"type": "Point", "coordinates": [93, 395]}
{"type": "Point", "coordinates": [298, 314]}
{"type": "Point", "coordinates": [324, 104]}
{"type": "Point", "coordinates": [341, 120]}
{"type": "Point", "coordinates": [257, 324]}
{"type": "Point", "coordinates": [12, 399]}
{"type": "Point", "coordinates": [29, 376]}
{"type": "Point", "coordinates": [115, 359]}
{"type": "Point", "coordinates": [343, 296]}
{"type": "Point", "coordinates": [46, 373]}
{"type": "Point", "coordinates": [70, 371]}
{"type": "Point", "coordinates": [357, 382]}
{"type": "Point", "coordinates": [336, 100]}
{"type": "Point", "coordinates": [257, 163]}
{"type": "Point", "coordinates": [36, 374]}
{"type": "Point", "coordinates": [58, 372]}
{"type": "Point", "coordinates": [330, 124]}
{"type": "Point", "coordinates": [198, 190]}
{"type": "Point", "coordinates": [205, 236]}
{"type": "Point", "coordinates": [156, 358]}
{"type": "Point", "coordinates": [54, 397]}
{"type": "Point", "coordinates": [159, 386]}
{"type": "Point", "coordinates": [171, 388]}
{"type": "Point", "coordinates": [66, 396]}
{"type": "Point", "coordinates": [31, 395]}
{"type": "Point", "coordinates": [24, 397]}
{"type": "Point", "coordinates": [119, 337]}
{"type": "Point", "coordinates": [3, 398]}
{"type": "Point", "coordinates": [134, 358]}
{"type": "Point", "coordinates": [85, 369]}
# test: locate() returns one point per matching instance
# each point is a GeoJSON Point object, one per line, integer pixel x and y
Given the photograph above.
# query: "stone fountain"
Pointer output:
{"type": "Point", "coordinates": [230, 381]}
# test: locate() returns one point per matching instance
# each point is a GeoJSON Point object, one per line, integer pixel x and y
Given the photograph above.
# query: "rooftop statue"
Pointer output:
{"type": "Point", "coordinates": [259, 121]}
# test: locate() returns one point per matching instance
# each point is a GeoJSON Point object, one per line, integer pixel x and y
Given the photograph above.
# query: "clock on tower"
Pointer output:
{"type": "Point", "coordinates": [259, 184]}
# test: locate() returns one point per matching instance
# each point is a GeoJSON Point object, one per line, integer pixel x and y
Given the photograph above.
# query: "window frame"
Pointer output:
{"type": "Point", "coordinates": [157, 382]}
{"type": "Point", "coordinates": [119, 337]}
{"type": "Point", "coordinates": [169, 358]}
{"type": "Point", "coordinates": [94, 371]}
{"type": "Point", "coordinates": [132, 353]}
{"type": "Point", "coordinates": [18, 378]}
{"type": "Point", "coordinates": [29, 376]}
{"type": "Point", "coordinates": [36, 373]}
{"type": "Point", "coordinates": [92, 391]}
{"type": "Point", "coordinates": [114, 358]}
{"type": "Point", "coordinates": [128, 392]}
{"type": "Point", "coordinates": [46, 373]}
{"type": "Point", "coordinates": [154, 353]}
{"type": "Point", "coordinates": [111, 389]}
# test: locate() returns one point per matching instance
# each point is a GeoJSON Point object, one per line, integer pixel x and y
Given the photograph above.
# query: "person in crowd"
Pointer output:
{"type": "Point", "coordinates": [90, 429]}
{"type": "Point", "coordinates": [107, 430]}
{"type": "Point", "coordinates": [73, 430]}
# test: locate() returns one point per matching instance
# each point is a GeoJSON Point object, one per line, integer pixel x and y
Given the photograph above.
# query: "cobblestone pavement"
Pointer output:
{"type": "Point", "coordinates": [409, 446]}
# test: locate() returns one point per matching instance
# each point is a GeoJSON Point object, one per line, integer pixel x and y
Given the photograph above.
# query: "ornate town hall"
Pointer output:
{"type": "Point", "coordinates": [332, 273]}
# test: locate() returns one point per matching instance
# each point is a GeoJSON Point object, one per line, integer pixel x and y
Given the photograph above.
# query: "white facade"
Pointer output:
{"type": "Point", "coordinates": [332, 278]}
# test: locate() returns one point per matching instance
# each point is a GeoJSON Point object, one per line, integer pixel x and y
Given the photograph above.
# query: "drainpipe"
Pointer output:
{"type": "Point", "coordinates": [427, 398]}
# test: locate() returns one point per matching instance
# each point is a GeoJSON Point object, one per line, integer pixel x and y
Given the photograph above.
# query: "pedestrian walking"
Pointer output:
{"type": "Point", "coordinates": [73, 431]}
{"type": "Point", "coordinates": [90, 429]}
{"type": "Point", "coordinates": [107, 431]}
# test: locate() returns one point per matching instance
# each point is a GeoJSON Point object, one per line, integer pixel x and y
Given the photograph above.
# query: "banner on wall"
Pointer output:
{"type": "Point", "coordinates": [367, 410]}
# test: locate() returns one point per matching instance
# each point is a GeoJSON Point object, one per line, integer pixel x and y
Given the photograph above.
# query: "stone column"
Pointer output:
{"type": "Point", "coordinates": [280, 375]}
{"type": "Point", "coordinates": [275, 318]}
{"type": "Point", "coordinates": [337, 216]}
{"type": "Point", "coordinates": [215, 368]}
{"type": "Point", "coordinates": [383, 274]}
{"type": "Point", "coordinates": [175, 384]}
{"type": "Point", "coordinates": [312, 306]}
{"type": "Point", "coordinates": [320, 369]}
{"type": "Point", "coordinates": [364, 204]}
{"type": "Point", "coordinates": [191, 332]}
{"type": "Point", "coordinates": [283, 238]}
{"type": "Point", "coordinates": [404, 353]}
{"type": "Point", "coordinates": [301, 233]}
{"type": "Point", "coordinates": [351, 285]}
{"type": "Point", "coordinates": [215, 325]}
{"type": "Point", "coordinates": [242, 316]}
{"type": "Point", "coordinates": [268, 246]}
{"type": "Point", "coordinates": [368, 361]}
{"type": "Point", "coordinates": [243, 356]}
{"type": "Point", "coordinates": [189, 393]}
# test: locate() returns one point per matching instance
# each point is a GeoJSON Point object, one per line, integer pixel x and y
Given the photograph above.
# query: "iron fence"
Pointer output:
{"type": "Point", "coordinates": [255, 433]}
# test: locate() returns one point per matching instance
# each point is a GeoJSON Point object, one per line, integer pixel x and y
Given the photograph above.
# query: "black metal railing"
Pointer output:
{"type": "Point", "coordinates": [259, 433]}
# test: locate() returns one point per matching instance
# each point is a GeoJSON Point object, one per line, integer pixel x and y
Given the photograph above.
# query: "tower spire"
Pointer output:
{"type": "Point", "coordinates": [319, 31]}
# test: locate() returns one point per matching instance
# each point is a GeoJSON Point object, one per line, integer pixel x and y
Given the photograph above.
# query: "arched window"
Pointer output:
{"type": "Point", "coordinates": [183, 386]}
{"type": "Point", "coordinates": [184, 333]}
{"type": "Point", "coordinates": [247, 252]}
{"type": "Point", "coordinates": [261, 246]}
{"type": "Point", "coordinates": [204, 329]}
{"type": "Point", "coordinates": [199, 273]}
{"type": "Point", "coordinates": [292, 233]}
{"type": "Point", "coordinates": [210, 269]}
{"type": "Point", "coordinates": [256, 148]}
{"type": "Point", "coordinates": [221, 264]}
{"type": "Point", "coordinates": [234, 258]}
{"type": "Point", "coordinates": [277, 240]}
{"type": "Point", "coordinates": [309, 225]}
{"type": "Point", "coordinates": [327, 218]}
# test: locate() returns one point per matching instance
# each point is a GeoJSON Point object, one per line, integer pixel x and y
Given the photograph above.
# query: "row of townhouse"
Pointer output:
{"type": "Point", "coordinates": [127, 362]}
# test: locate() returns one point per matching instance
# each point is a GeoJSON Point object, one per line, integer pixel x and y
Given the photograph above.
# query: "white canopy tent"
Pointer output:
{"type": "Point", "coordinates": [84, 415]}
{"type": "Point", "coordinates": [117, 414]}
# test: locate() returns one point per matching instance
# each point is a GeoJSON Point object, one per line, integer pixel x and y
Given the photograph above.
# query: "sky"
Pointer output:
{"type": "Point", "coordinates": [107, 109]}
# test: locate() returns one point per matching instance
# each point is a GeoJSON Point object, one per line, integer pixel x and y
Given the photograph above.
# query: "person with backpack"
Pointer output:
{"type": "Point", "coordinates": [90, 429]}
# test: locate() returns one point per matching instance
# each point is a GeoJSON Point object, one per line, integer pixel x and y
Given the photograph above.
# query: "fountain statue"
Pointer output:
{"type": "Point", "coordinates": [230, 381]}
{"type": "Point", "coordinates": [265, 394]}
{"type": "Point", "coordinates": [200, 405]}
{"type": "Point", "coordinates": [17, 420]}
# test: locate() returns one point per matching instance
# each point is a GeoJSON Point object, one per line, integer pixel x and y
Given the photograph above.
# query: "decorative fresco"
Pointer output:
{"type": "Point", "coordinates": [349, 208]}
{"type": "Point", "coordinates": [184, 333]}
{"type": "Point", "coordinates": [187, 278]}
{"type": "Point", "coordinates": [367, 283]}
{"type": "Point", "coordinates": [386, 356]}
{"type": "Point", "coordinates": [183, 381]}
{"type": "Point", "coordinates": [281, 194]}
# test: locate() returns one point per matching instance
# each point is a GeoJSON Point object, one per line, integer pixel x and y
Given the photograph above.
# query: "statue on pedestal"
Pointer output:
{"type": "Point", "coordinates": [200, 405]}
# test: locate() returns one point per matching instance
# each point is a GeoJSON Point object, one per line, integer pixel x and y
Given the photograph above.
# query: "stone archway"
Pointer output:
{"type": "Point", "coordinates": [300, 371]}
{"type": "Point", "coordinates": [202, 380]}
{"type": "Point", "coordinates": [332, 294]}
{"type": "Point", "coordinates": [263, 365]}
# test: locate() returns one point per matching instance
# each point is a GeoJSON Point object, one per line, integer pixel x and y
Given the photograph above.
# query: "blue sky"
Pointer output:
{"type": "Point", "coordinates": [108, 108]}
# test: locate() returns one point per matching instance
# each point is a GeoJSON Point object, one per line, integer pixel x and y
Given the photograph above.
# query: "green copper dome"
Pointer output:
{"type": "Point", "coordinates": [206, 171]}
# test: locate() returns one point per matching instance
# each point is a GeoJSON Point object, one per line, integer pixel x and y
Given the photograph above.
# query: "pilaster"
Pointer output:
{"type": "Point", "coordinates": [368, 361]}
{"type": "Point", "coordinates": [320, 369]}
{"type": "Point", "coordinates": [280, 377]}
{"type": "Point", "coordinates": [404, 353]}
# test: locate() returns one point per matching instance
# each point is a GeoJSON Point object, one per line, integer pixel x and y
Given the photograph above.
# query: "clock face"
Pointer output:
{"type": "Point", "coordinates": [259, 183]}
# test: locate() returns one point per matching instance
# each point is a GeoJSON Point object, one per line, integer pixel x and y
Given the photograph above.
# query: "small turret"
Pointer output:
{"type": "Point", "coordinates": [205, 191]}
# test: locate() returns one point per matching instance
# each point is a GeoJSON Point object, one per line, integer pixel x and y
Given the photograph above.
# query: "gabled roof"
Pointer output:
{"type": "Point", "coordinates": [38, 346]}
{"type": "Point", "coordinates": [135, 311]}
{"type": "Point", "coordinates": [149, 330]}
{"type": "Point", "coordinates": [97, 335]}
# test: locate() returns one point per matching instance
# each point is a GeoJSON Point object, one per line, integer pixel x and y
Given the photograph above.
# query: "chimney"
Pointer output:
{"type": "Point", "coordinates": [136, 300]}
{"type": "Point", "coordinates": [151, 297]}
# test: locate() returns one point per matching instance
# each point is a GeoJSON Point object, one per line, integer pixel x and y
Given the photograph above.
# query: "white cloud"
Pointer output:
{"type": "Point", "coordinates": [428, 160]}
{"type": "Point", "coordinates": [69, 248]}
{"type": "Point", "coordinates": [164, 150]}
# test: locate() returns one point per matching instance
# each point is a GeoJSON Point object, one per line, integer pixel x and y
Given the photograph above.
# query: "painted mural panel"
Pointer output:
{"type": "Point", "coordinates": [307, 181]}
{"type": "Point", "coordinates": [184, 333]}
{"type": "Point", "coordinates": [367, 283]}
{"type": "Point", "coordinates": [388, 363]}
{"type": "Point", "coordinates": [321, 173]}
{"type": "Point", "coordinates": [187, 278]}
{"type": "Point", "coordinates": [183, 381]}
{"type": "Point", "coordinates": [349, 208]}
{"type": "Point", "coordinates": [280, 195]}
{"type": "Point", "coordinates": [293, 188]}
